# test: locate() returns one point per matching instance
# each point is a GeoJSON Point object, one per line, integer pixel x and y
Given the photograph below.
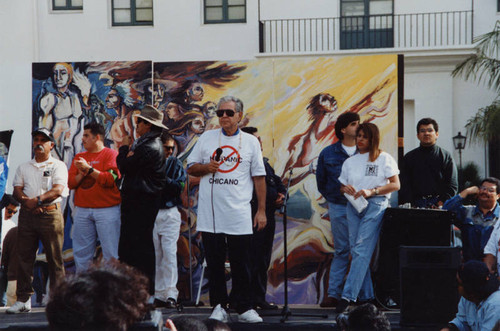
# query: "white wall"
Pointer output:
{"type": "Point", "coordinates": [16, 54]}
{"type": "Point", "coordinates": [31, 32]}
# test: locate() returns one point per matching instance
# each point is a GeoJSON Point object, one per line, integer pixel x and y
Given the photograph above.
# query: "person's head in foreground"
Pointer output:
{"type": "Point", "coordinates": [111, 296]}
{"type": "Point", "coordinates": [364, 318]}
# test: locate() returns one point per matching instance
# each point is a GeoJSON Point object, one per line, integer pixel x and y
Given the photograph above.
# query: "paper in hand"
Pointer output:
{"type": "Point", "coordinates": [359, 204]}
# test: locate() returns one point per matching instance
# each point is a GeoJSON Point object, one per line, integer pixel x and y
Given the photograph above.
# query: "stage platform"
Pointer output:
{"type": "Point", "coordinates": [35, 320]}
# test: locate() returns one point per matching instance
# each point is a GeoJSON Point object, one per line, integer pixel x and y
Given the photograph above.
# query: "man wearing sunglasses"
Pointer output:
{"type": "Point", "coordinates": [230, 164]}
{"type": "Point", "coordinates": [476, 223]}
{"type": "Point", "coordinates": [167, 228]}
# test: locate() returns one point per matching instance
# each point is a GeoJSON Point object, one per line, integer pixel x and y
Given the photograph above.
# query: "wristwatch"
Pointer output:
{"type": "Point", "coordinates": [39, 201]}
{"type": "Point", "coordinates": [91, 170]}
{"type": "Point", "coordinates": [375, 190]}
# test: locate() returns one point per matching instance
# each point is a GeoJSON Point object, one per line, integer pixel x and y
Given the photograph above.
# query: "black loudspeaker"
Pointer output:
{"type": "Point", "coordinates": [408, 227]}
{"type": "Point", "coordinates": [429, 294]}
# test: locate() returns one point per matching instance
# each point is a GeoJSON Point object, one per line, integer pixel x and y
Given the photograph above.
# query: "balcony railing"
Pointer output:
{"type": "Point", "coordinates": [422, 30]}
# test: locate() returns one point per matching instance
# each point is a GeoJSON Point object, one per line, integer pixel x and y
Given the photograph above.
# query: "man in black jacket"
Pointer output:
{"type": "Point", "coordinates": [262, 241]}
{"type": "Point", "coordinates": [428, 173]}
{"type": "Point", "coordinates": [143, 169]}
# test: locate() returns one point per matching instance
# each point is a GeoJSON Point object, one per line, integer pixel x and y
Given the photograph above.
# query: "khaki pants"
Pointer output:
{"type": "Point", "coordinates": [49, 228]}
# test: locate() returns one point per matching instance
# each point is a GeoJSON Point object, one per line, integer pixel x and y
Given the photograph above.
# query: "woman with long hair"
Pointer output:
{"type": "Point", "coordinates": [370, 174]}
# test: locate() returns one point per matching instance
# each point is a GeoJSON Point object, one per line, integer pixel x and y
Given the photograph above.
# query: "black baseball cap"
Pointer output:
{"type": "Point", "coordinates": [46, 132]}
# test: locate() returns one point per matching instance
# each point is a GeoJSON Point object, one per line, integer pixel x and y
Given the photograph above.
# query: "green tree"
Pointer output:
{"type": "Point", "coordinates": [484, 67]}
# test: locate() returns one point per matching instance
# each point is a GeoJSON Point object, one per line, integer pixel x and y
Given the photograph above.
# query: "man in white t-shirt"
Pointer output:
{"type": "Point", "coordinates": [229, 163]}
{"type": "Point", "coordinates": [39, 185]}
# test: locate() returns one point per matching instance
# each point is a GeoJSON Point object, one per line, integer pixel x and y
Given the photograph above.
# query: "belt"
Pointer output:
{"type": "Point", "coordinates": [45, 209]}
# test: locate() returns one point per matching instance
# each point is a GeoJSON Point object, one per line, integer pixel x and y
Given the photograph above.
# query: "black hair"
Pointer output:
{"type": "Point", "coordinates": [112, 296]}
{"type": "Point", "coordinates": [368, 318]}
{"type": "Point", "coordinates": [249, 129]}
{"type": "Point", "coordinates": [492, 180]}
{"type": "Point", "coordinates": [215, 325]}
{"type": "Point", "coordinates": [165, 136]}
{"type": "Point", "coordinates": [343, 121]}
{"type": "Point", "coordinates": [477, 280]}
{"type": "Point", "coordinates": [427, 121]}
{"type": "Point", "coordinates": [9, 200]}
{"type": "Point", "coordinates": [186, 323]}
{"type": "Point", "coordinates": [95, 128]}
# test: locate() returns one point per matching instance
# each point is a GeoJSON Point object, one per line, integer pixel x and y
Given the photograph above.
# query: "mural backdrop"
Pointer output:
{"type": "Point", "coordinates": [293, 102]}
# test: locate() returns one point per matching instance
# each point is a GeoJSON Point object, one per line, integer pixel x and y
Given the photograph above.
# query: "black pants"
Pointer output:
{"type": "Point", "coordinates": [136, 248]}
{"type": "Point", "coordinates": [262, 247]}
{"type": "Point", "coordinates": [237, 247]}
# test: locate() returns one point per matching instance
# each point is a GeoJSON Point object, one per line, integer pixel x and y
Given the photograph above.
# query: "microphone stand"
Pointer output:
{"type": "Point", "coordinates": [286, 312]}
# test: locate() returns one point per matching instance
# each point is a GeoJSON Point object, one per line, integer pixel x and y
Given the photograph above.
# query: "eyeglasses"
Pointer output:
{"type": "Point", "coordinates": [11, 211]}
{"type": "Point", "coordinates": [490, 189]}
{"type": "Point", "coordinates": [169, 148]}
{"type": "Point", "coordinates": [229, 112]}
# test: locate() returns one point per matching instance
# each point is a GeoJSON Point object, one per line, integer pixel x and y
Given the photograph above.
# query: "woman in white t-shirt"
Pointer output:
{"type": "Point", "coordinates": [371, 174]}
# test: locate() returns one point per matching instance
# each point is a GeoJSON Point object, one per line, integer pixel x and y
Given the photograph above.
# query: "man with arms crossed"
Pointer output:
{"type": "Point", "coordinates": [39, 186]}
{"type": "Point", "coordinates": [327, 173]}
{"type": "Point", "coordinates": [97, 214]}
{"type": "Point", "coordinates": [230, 164]}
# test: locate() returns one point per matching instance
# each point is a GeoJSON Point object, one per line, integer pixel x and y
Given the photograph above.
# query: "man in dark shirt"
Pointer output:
{"type": "Point", "coordinates": [428, 173]}
{"type": "Point", "coordinates": [262, 241]}
{"type": "Point", "coordinates": [143, 169]}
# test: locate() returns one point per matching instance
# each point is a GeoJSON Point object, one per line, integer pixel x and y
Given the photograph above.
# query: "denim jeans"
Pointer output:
{"type": "Point", "coordinates": [90, 224]}
{"type": "Point", "coordinates": [364, 229]}
{"type": "Point", "coordinates": [340, 232]}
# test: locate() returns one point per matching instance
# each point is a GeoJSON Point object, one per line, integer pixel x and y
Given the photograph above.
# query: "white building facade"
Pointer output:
{"type": "Point", "coordinates": [432, 35]}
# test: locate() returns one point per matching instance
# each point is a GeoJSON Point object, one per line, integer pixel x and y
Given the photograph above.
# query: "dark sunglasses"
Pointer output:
{"type": "Point", "coordinates": [11, 211]}
{"type": "Point", "coordinates": [229, 112]}
{"type": "Point", "coordinates": [169, 148]}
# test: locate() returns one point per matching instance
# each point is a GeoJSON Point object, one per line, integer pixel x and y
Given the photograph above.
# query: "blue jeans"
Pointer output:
{"type": "Point", "coordinates": [364, 230]}
{"type": "Point", "coordinates": [90, 223]}
{"type": "Point", "coordinates": [340, 232]}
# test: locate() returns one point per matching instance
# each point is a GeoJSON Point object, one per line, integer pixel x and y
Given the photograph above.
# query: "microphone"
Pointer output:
{"type": "Point", "coordinates": [218, 153]}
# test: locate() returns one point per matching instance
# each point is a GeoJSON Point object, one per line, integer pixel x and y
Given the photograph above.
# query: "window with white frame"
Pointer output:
{"type": "Point", "coordinates": [67, 4]}
{"type": "Point", "coordinates": [132, 12]}
{"type": "Point", "coordinates": [225, 11]}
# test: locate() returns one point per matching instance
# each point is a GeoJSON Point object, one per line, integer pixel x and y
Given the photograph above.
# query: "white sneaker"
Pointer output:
{"type": "Point", "coordinates": [219, 314]}
{"type": "Point", "coordinates": [250, 316]}
{"type": "Point", "coordinates": [19, 307]}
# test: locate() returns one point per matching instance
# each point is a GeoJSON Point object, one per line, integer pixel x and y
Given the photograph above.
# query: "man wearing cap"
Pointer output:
{"type": "Point", "coordinates": [143, 169]}
{"type": "Point", "coordinates": [230, 164]}
{"type": "Point", "coordinates": [97, 200]}
{"type": "Point", "coordinates": [39, 186]}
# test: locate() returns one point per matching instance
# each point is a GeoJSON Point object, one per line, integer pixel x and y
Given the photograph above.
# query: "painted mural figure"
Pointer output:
{"type": "Point", "coordinates": [121, 101]}
{"type": "Point", "coordinates": [61, 109]}
{"type": "Point", "coordinates": [321, 108]}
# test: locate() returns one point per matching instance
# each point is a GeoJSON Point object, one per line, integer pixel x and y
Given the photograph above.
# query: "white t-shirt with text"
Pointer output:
{"type": "Point", "coordinates": [360, 173]}
{"type": "Point", "coordinates": [241, 160]}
